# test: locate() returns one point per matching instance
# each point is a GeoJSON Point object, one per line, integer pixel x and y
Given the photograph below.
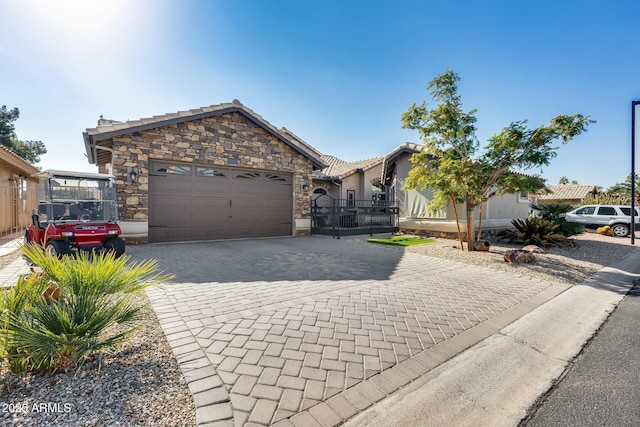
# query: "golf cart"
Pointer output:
{"type": "Point", "coordinates": [77, 211]}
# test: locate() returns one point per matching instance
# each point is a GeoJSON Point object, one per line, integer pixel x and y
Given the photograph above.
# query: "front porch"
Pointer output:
{"type": "Point", "coordinates": [342, 217]}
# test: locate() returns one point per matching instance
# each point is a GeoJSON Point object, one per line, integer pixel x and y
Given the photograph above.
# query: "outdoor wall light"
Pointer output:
{"type": "Point", "coordinates": [304, 186]}
{"type": "Point", "coordinates": [132, 174]}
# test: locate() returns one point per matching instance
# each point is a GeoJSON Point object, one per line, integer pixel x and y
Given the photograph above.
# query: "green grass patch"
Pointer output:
{"type": "Point", "coordinates": [402, 241]}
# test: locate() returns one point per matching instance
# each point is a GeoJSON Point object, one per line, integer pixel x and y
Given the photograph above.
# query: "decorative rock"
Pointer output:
{"type": "Point", "coordinates": [519, 256]}
{"type": "Point", "coordinates": [535, 249]}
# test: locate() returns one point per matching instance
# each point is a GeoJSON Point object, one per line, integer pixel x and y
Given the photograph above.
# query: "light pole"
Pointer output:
{"type": "Point", "coordinates": [634, 112]}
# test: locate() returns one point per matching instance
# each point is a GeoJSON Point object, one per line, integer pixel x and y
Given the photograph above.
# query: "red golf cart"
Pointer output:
{"type": "Point", "coordinates": [77, 211]}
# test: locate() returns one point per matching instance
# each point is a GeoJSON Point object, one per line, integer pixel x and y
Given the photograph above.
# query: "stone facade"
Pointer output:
{"type": "Point", "coordinates": [229, 139]}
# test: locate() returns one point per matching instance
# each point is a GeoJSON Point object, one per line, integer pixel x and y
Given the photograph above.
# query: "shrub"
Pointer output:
{"type": "Point", "coordinates": [605, 199]}
{"type": "Point", "coordinates": [56, 320]}
{"type": "Point", "coordinates": [534, 231]}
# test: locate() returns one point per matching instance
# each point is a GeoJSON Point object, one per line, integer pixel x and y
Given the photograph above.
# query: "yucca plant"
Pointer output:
{"type": "Point", "coordinates": [59, 330]}
{"type": "Point", "coordinates": [534, 231]}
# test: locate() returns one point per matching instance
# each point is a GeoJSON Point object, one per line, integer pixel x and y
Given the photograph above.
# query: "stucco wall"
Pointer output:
{"type": "Point", "coordinates": [413, 203]}
{"type": "Point", "coordinates": [17, 198]}
{"type": "Point", "coordinates": [230, 139]}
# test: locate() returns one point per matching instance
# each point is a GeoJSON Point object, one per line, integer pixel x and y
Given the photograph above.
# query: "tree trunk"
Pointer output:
{"type": "Point", "coordinates": [479, 224]}
{"type": "Point", "coordinates": [455, 212]}
{"type": "Point", "coordinates": [470, 227]}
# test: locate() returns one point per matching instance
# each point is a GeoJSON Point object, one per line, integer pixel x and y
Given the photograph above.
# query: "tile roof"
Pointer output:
{"type": "Point", "coordinates": [107, 129]}
{"type": "Point", "coordinates": [16, 161]}
{"type": "Point", "coordinates": [339, 169]}
{"type": "Point", "coordinates": [567, 192]}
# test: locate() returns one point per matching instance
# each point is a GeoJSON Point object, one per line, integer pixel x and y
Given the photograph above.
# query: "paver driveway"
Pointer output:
{"type": "Point", "coordinates": [312, 330]}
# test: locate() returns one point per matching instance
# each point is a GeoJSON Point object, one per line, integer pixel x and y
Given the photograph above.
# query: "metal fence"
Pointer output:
{"type": "Point", "coordinates": [341, 217]}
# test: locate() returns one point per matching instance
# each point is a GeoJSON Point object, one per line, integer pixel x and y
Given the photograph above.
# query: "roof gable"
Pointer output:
{"type": "Point", "coordinates": [110, 128]}
{"type": "Point", "coordinates": [339, 169]}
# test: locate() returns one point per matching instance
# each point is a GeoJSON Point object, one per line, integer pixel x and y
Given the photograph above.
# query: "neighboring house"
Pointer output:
{"type": "Point", "coordinates": [571, 194]}
{"type": "Point", "coordinates": [17, 191]}
{"type": "Point", "coordinates": [497, 212]}
{"type": "Point", "coordinates": [351, 181]}
{"type": "Point", "coordinates": [215, 172]}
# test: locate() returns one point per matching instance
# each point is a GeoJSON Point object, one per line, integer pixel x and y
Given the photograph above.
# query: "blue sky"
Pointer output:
{"type": "Point", "coordinates": [337, 73]}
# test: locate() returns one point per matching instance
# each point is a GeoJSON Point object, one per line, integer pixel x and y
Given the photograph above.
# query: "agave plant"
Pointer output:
{"type": "Point", "coordinates": [57, 319]}
{"type": "Point", "coordinates": [556, 212]}
{"type": "Point", "coordinates": [534, 231]}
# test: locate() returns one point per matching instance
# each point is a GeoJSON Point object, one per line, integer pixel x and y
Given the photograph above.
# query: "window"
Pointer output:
{"type": "Point", "coordinates": [210, 172]}
{"type": "Point", "coordinates": [274, 177]}
{"type": "Point", "coordinates": [351, 197]}
{"type": "Point", "coordinates": [174, 169]}
{"type": "Point", "coordinates": [248, 175]}
{"type": "Point", "coordinates": [320, 191]}
{"type": "Point", "coordinates": [607, 210]}
{"type": "Point", "coordinates": [627, 211]}
{"type": "Point", "coordinates": [23, 194]}
{"type": "Point", "coordinates": [523, 197]}
{"type": "Point", "coordinates": [587, 210]}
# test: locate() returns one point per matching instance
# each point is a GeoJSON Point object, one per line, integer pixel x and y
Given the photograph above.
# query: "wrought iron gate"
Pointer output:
{"type": "Point", "coordinates": [342, 217]}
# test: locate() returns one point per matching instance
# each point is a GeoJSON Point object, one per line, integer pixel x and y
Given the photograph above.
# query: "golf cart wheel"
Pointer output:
{"type": "Point", "coordinates": [115, 245]}
{"type": "Point", "coordinates": [620, 230]}
{"type": "Point", "coordinates": [58, 248]}
{"type": "Point", "coordinates": [27, 238]}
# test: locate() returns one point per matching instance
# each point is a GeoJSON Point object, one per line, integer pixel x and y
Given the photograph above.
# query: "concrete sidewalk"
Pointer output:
{"type": "Point", "coordinates": [9, 275]}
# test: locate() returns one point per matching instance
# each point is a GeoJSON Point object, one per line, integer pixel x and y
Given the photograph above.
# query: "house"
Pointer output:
{"type": "Point", "coordinates": [223, 171]}
{"type": "Point", "coordinates": [17, 191]}
{"type": "Point", "coordinates": [497, 212]}
{"type": "Point", "coordinates": [570, 194]}
{"type": "Point", "coordinates": [351, 181]}
{"type": "Point", "coordinates": [214, 172]}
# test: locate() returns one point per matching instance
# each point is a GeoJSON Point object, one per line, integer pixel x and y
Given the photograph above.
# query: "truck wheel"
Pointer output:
{"type": "Point", "coordinates": [620, 230]}
{"type": "Point", "coordinates": [58, 248]}
{"type": "Point", "coordinates": [116, 245]}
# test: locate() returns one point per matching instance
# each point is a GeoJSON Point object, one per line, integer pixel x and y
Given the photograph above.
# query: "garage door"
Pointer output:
{"type": "Point", "coordinates": [200, 202]}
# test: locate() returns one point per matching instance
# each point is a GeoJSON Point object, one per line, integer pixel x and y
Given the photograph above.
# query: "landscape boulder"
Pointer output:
{"type": "Point", "coordinates": [519, 256]}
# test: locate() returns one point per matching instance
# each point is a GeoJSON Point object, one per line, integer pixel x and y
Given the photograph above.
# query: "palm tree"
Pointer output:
{"type": "Point", "coordinates": [624, 188]}
{"type": "Point", "coordinates": [76, 307]}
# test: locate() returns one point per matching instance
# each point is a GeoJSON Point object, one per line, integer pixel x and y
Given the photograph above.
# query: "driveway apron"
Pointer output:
{"type": "Point", "coordinates": [313, 330]}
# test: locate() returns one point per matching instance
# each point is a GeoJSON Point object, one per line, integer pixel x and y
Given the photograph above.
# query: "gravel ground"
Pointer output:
{"type": "Point", "coordinates": [570, 265]}
{"type": "Point", "coordinates": [140, 383]}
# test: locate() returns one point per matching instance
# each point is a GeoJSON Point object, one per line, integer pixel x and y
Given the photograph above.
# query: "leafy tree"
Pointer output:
{"type": "Point", "coordinates": [563, 180]}
{"type": "Point", "coordinates": [28, 150]}
{"type": "Point", "coordinates": [451, 164]}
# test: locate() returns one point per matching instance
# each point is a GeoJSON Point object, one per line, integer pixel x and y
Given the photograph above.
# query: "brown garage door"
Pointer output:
{"type": "Point", "coordinates": [200, 202]}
